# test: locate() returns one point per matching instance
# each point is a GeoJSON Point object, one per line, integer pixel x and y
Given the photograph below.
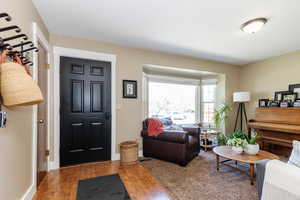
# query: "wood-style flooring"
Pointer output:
{"type": "Point", "coordinates": [62, 184]}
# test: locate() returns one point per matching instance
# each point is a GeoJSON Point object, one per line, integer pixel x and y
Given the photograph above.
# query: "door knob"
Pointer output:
{"type": "Point", "coordinates": [41, 121]}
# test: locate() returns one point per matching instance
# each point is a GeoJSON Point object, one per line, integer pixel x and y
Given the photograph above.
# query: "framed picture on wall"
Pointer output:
{"type": "Point", "coordinates": [295, 88]}
{"type": "Point", "coordinates": [129, 89]}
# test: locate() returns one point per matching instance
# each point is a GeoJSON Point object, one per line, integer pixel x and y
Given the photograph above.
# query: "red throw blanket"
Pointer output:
{"type": "Point", "coordinates": [155, 127]}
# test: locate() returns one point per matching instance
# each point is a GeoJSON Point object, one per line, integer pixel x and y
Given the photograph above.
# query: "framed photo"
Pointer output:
{"type": "Point", "coordinates": [263, 102]}
{"type": "Point", "coordinates": [129, 89]}
{"type": "Point", "coordinates": [296, 103]}
{"type": "Point", "coordinates": [289, 97]}
{"type": "Point", "coordinates": [274, 103]}
{"type": "Point", "coordinates": [285, 104]}
{"type": "Point", "coordinates": [279, 95]}
{"type": "Point", "coordinates": [295, 88]}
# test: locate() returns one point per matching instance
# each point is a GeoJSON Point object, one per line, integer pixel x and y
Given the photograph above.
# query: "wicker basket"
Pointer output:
{"type": "Point", "coordinates": [129, 152]}
{"type": "Point", "coordinates": [17, 87]}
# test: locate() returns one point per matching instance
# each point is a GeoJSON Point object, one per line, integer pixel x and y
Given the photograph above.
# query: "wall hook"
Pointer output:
{"type": "Point", "coordinates": [23, 44]}
{"type": "Point", "coordinates": [7, 17]}
{"type": "Point", "coordinates": [6, 46]}
{"type": "Point", "coordinates": [17, 29]}
{"type": "Point", "coordinates": [30, 49]}
{"type": "Point", "coordinates": [15, 37]}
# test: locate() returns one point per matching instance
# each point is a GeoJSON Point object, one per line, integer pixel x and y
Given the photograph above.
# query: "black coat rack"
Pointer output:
{"type": "Point", "coordinates": [19, 48]}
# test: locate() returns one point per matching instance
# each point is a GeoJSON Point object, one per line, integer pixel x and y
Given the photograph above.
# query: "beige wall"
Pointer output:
{"type": "Point", "coordinates": [263, 78]}
{"type": "Point", "coordinates": [16, 139]}
{"type": "Point", "coordinates": [130, 62]}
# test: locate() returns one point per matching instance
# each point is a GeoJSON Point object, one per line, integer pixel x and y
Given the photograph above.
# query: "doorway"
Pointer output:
{"type": "Point", "coordinates": [42, 115]}
{"type": "Point", "coordinates": [85, 111]}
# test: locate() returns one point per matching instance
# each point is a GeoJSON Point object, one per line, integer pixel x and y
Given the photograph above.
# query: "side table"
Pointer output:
{"type": "Point", "coordinates": [208, 134]}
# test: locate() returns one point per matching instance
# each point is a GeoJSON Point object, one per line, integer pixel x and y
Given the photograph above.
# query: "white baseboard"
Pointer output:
{"type": "Point", "coordinates": [141, 153]}
{"type": "Point", "coordinates": [53, 165]}
{"type": "Point", "coordinates": [29, 193]}
{"type": "Point", "coordinates": [117, 155]}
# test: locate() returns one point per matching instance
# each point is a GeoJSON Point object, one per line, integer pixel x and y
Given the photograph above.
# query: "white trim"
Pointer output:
{"type": "Point", "coordinates": [76, 53]}
{"type": "Point", "coordinates": [172, 79]}
{"type": "Point", "coordinates": [37, 36]}
{"type": "Point", "coordinates": [202, 102]}
{"type": "Point", "coordinates": [28, 195]}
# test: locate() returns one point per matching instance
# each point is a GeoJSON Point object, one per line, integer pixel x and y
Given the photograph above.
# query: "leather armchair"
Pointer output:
{"type": "Point", "coordinates": [172, 145]}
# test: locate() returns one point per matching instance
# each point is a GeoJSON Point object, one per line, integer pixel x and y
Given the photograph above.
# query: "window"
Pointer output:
{"type": "Point", "coordinates": [208, 103]}
{"type": "Point", "coordinates": [180, 99]}
{"type": "Point", "coordinates": [173, 98]}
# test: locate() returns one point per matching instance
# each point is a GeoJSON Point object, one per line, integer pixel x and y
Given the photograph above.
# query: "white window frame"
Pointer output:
{"type": "Point", "coordinates": [202, 102]}
{"type": "Point", "coordinates": [175, 80]}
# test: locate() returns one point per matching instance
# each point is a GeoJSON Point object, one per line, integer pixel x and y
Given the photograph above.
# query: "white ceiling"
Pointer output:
{"type": "Point", "coordinates": [201, 28]}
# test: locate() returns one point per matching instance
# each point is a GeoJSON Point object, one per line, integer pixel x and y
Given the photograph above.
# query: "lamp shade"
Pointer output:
{"type": "Point", "coordinates": [241, 96]}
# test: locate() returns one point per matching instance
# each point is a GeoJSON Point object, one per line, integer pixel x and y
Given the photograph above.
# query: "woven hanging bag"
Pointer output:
{"type": "Point", "coordinates": [17, 86]}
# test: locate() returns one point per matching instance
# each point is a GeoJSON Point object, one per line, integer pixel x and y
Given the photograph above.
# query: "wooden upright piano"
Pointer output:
{"type": "Point", "coordinates": [278, 127]}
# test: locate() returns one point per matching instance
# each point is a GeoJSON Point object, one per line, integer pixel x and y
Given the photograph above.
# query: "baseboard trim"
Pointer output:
{"type": "Point", "coordinates": [117, 156]}
{"type": "Point", "coordinates": [53, 165]}
{"type": "Point", "coordinates": [29, 193]}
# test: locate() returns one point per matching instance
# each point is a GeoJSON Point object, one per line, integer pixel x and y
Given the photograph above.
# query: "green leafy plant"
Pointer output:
{"type": "Point", "coordinates": [238, 139]}
{"type": "Point", "coordinates": [252, 139]}
{"type": "Point", "coordinates": [222, 139]}
{"type": "Point", "coordinates": [221, 114]}
{"type": "Point", "coordinates": [241, 135]}
{"type": "Point", "coordinates": [237, 142]}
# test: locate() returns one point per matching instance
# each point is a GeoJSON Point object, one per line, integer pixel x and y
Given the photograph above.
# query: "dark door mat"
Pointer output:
{"type": "Point", "coordinates": [103, 187]}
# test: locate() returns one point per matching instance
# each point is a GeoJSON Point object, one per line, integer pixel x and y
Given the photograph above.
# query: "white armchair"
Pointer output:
{"type": "Point", "coordinates": [277, 180]}
{"type": "Point", "coordinates": [281, 181]}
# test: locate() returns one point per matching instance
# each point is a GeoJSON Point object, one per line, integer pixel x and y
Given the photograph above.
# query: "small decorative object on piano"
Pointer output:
{"type": "Point", "coordinates": [295, 88]}
{"type": "Point", "coordinates": [285, 104]}
{"type": "Point", "coordinates": [296, 103]}
{"type": "Point", "coordinates": [279, 95]}
{"type": "Point", "coordinates": [263, 102]}
{"type": "Point", "coordinates": [273, 103]}
{"type": "Point", "coordinates": [289, 97]}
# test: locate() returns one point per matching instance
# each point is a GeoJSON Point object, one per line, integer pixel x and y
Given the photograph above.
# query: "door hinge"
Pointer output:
{"type": "Point", "coordinates": [47, 152]}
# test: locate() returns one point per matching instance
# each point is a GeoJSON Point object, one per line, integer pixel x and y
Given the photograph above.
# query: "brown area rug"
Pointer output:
{"type": "Point", "coordinates": [200, 180]}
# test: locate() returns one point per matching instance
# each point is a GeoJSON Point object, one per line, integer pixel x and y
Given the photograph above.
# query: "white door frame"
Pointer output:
{"type": "Point", "coordinates": [76, 53]}
{"type": "Point", "coordinates": [38, 36]}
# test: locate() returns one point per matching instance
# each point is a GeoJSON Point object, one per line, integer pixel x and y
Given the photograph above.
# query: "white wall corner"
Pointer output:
{"type": "Point", "coordinates": [29, 193]}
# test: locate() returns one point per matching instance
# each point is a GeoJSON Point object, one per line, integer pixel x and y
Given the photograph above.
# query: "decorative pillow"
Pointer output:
{"type": "Point", "coordinates": [295, 156]}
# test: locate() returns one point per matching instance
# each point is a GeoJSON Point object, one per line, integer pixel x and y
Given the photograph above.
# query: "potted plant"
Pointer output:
{"type": "Point", "coordinates": [220, 115]}
{"type": "Point", "coordinates": [252, 147]}
{"type": "Point", "coordinates": [238, 141]}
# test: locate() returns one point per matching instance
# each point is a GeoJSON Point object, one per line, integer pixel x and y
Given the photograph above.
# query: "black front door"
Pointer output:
{"type": "Point", "coordinates": [85, 110]}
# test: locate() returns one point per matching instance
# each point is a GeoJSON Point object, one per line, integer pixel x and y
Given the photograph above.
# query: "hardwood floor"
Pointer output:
{"type": "Point", "coordinates": [62, 184]}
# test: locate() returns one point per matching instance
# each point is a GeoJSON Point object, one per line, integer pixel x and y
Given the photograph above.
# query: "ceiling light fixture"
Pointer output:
{"type": "Point", "coordinates": [253, 25]}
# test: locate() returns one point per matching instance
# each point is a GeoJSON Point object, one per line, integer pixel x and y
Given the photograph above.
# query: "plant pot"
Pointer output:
{"type": "Point", "coordinates": [252, 149]}
{"type": "Point", "coordinates": [238, 150]}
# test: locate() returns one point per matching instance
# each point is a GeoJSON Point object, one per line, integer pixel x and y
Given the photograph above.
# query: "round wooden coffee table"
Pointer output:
{"type": "Point", "coordinates": [228, 154]}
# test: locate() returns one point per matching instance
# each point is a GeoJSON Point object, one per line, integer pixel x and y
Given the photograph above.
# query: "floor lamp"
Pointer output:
{"type": "Point", "coordinates": [241, 98]}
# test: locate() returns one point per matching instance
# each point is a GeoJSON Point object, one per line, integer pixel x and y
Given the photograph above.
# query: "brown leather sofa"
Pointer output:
{"type": "Point", "coordinates": [172, 145]}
